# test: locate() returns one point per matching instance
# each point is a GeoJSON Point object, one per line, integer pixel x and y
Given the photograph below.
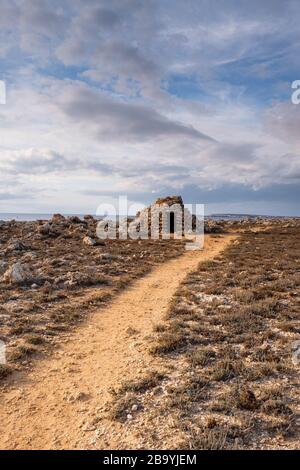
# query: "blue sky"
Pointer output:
{"type": "Point", "coordinates": [148, 98]}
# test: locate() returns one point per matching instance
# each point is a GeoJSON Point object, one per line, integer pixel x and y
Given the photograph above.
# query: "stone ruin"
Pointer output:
{"type": "Point", "coordinates": [168, 217]}
{"type": "Point", "coordinates": [165, 218]}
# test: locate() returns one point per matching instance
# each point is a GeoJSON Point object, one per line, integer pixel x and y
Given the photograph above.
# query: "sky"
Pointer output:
{"type": "Point", "coordinates": [147, 98]}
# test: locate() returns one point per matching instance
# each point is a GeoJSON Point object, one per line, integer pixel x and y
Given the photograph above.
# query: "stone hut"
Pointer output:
{"type": "Point", "coordinates": [166, 217]}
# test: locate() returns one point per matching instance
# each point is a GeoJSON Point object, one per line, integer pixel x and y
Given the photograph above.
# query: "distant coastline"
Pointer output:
{"type": "Point", "coordinates": [31, 217]}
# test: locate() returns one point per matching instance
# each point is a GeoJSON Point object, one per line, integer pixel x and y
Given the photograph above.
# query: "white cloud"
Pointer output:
{"type": "Point", "coordinates": [92, 97]}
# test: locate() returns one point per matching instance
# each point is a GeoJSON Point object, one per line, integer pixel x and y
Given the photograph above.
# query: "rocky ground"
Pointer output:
{"type": "Point", "coordinates": [52, 273]}
{"type": "Point", "coordinates": [62, 402]}
{"type": "Point", "coordinates": [225, 362]}
{"type": "Point", "coordinates": [227, 374]}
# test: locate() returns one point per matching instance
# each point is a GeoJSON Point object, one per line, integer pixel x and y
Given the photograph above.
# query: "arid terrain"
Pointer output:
{"type": "Point", "coordinates": [52, 275]}
{"type": "Point", "coordinates": [230, 353]}
{"type": "Point", "coordinates": [142, 344]}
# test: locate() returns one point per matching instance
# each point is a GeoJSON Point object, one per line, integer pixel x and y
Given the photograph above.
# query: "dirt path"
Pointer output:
{"type": "Point", "coordinates": [55, 404]}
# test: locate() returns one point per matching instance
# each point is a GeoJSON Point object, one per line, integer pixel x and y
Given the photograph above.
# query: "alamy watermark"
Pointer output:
{"type": "Point", "coordinates": [159, 221]}
{"type": "Point", "coordinates": [2, 92]}
{"type": "Point", "coordinates": [296, 94]}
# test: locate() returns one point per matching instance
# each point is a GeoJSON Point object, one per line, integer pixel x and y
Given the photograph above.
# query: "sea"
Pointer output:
{"type": "Point", "coordinates": [23, 217]}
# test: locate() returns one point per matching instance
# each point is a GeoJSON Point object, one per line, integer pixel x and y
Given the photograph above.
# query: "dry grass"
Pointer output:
{"type": "Point", "coordinates": [73, 279]}
{"type": "Point", "coordinates": [150, 380]}
{"type": "Point", "coordinates": [5, 371]}
{"type": "Point", "coordinates": [228, 337]}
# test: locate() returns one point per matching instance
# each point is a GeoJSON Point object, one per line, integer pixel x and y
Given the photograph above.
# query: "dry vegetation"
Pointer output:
{"type": "Point", "coordinates": [221, 375]}
{"type": "Point", "coordinates": [65, 280]}
{"type": "Point", "coordinates": [226, 378]}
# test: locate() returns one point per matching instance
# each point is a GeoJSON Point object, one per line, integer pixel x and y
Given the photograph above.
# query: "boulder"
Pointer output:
{"type": "Point", "coordinates": [89, 218]}
{"type": "Point", "coordinates": [57, 218]}
{"type": "Point", "coordinates": [89, 241]}
{"type": "Point", "coordinates": [18, 274]}
{"type": "Point", "coordinates": [45, 229]}
{"type": "Point", "coordinates": [3, 266]}
{"type": "Point", "coordinates": [78, 278]}
{"type": "Point", "coordinates": [50, 230]}
{"type": "Point", "coordinates": [17, 245]}
{"type": "Point", "coordinates": [74, 219]}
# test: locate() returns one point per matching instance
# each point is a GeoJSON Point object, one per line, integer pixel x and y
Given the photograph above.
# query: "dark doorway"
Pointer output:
{"type": "Point", "coordinates": [172, 222]}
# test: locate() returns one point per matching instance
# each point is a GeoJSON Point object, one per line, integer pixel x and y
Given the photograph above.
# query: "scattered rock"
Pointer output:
{"type": "Point", "coordinates": [18, 274]}
{"type": "Point", "coordinates": [211, 297]}
{"type": "Point", "coordinates": [78, 278]}
{"type": "Point", "coordinates": [89, 428]}
{"type": "Point", "coordinates": [89, 241]}
{"type": "Point", "coordinates": [77, 396]}
{"type": "Point", "coordinates": [3, 266]}
{"type": "Point", "coordinates": [45, 229]}
{"type": "Point", "coordinates": [74, 219]}
{"type": "Point", "coordinates": [17, 245]}
{"type": "Point", "coordinates": [212, 226]}
{"type": "Point", "coordinates": [58, 218]}
{"type": "Point", "coordinates": [89, 218]}
{"type": "Point", "coordinates": [108, 256]}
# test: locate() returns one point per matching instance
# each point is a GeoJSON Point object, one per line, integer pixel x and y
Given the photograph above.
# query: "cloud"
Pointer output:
{"type": "Point", "coordinates": [44, 17]}
{"type": "Point", "coordinates": [149, 96]}
{"type": "Point", "coordinates": [127, 61]}
{"type": "Point", "coordinates": [9, 196]}
{"type": "Point", "coordinates": [34, 161]}
{"type": "Point", "coordinates": [45, 161]}
{"type": "Point", "coordinates": [121, 121]}
{"type": "Point", "coordinates": [283, 121]}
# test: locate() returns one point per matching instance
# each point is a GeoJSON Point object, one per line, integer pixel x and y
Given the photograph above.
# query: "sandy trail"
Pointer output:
{"type": "Point", "coordinates": [52, 406]}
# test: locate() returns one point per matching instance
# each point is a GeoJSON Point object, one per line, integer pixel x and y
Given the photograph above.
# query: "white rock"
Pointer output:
{"type": "Point", "coordinates": [108, 256]}
{"type": "Point", "coordinates": [17, 274]}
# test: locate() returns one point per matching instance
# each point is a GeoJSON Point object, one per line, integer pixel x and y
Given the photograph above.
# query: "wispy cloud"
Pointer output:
{"type": "Point", "coordinates": [148, 97]}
